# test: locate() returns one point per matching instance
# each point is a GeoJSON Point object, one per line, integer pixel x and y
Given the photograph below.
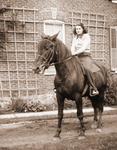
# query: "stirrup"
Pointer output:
{"type": "Point", "coordinates": [54, 90]}
{"type": "Point", "coordinates": [93, 92]}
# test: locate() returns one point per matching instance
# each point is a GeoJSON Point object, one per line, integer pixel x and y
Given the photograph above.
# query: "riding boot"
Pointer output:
{"type": "Point", "coordinates": [92, 87]}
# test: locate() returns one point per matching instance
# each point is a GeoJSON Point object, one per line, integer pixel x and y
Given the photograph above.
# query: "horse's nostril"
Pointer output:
{"type": "Point", "coordinates": [36, 70]}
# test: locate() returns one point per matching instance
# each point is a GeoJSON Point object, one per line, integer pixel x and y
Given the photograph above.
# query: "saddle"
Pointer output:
{"type": "Point", "coordinates": [84, 70]}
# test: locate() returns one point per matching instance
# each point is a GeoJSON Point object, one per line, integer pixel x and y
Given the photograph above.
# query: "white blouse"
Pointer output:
{"type": "Point", "coordinates": [80, 44]}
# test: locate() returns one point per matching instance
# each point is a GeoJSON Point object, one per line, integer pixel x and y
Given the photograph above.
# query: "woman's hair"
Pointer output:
{"type": "Point", "coordinates": [82, 26]}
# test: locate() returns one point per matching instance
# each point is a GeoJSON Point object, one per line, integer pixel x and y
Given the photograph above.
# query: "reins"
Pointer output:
{"type": "Point", "coordinates": [52, 64]}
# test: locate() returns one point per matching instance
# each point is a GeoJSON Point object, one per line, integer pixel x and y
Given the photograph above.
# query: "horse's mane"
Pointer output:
{"type": "Point", "coordinates": [64, 53]}
{"type": "Point", "coordinates": [62, 50]}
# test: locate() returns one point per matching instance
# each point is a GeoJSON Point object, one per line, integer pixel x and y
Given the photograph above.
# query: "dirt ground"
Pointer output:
{"type": "Point", "coordinates": [38, 135]}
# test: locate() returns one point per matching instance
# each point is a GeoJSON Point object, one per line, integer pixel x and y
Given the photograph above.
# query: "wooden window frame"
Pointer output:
{"type": "Point", "coordinates": [51, 70]}
{"type": "Point", "coordinates": [113, 47]}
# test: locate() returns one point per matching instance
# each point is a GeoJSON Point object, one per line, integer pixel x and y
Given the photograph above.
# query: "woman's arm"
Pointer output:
{"type": "Point", "coordinates": [73, 51]}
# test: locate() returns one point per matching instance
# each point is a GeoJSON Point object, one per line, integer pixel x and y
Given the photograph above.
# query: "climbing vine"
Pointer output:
{"type": "Point", "coordinates": [5, 26]}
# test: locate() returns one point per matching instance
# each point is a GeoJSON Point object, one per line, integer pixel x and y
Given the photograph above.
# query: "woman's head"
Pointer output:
{"type": "Point", "coordinates": [79, 29]}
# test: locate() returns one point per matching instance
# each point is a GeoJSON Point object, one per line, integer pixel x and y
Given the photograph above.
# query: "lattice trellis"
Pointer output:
{"type": "Point", "coordinates": [17, 78]}
{"type": "Point", "coordinates": [95, 24]}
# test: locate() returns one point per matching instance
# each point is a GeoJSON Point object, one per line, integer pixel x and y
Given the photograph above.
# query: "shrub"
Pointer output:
{"type": "Point", "coordinates": [111, 93]}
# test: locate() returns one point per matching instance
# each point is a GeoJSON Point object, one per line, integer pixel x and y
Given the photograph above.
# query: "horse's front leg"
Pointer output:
{"type": "Point", "coordinates": [80, 116]}
{"type": "Point", "coordinates": [60, 101]}
{"type": "Point", "coordinates": [99, 123]}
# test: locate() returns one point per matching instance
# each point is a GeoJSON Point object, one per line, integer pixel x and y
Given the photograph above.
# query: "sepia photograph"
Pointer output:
{"type": "Point", "coordinates": [58, 74]}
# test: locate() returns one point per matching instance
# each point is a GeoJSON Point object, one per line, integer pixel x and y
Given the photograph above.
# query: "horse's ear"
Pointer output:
{"type": "Point", "coordinates": [53, 37]}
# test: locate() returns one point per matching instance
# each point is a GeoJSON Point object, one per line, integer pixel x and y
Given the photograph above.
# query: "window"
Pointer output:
{"type": "Point", "coordinates": [52, 27]}
{"type": "Point", "coordinates": [113, 47]}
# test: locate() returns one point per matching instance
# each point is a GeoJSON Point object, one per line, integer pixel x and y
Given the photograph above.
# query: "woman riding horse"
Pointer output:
{"type": "Point", "coordinates": [70, 80]}
{"type": "Point", "coordinates": [81, 47]}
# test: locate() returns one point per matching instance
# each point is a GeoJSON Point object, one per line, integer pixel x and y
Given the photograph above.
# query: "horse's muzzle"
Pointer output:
{"type": "Point", "coordinates": [37, 70]}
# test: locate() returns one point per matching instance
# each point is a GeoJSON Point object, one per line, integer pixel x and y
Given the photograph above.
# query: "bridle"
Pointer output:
{"type": "Point", "coordinates": [55, 63]}
{"type": "Point", "coordinates": [48, 59]}
{"type": "Point", "coordinates": [48, 56]}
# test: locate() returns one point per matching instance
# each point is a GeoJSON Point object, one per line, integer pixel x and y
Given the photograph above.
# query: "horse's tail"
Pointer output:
{"type": "Point", "coordinates": [108, 79]}
{"type": "Point", "coordinates": [107, 76]}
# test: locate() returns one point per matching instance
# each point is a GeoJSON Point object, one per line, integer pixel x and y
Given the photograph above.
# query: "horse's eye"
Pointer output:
{"type": "Point", "coordinates": [51, 46]}
{"type": "Point", "coordinates": [45, 47]}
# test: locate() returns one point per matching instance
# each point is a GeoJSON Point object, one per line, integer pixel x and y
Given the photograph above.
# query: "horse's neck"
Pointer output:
{"type": "Point", "coordinates": [64, 66]}
{"type": "Point", "coordinates": [62, 52]}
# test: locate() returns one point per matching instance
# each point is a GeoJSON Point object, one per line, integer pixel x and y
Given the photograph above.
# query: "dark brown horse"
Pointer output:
{"type": "Point", "coordinates": [70, 81]}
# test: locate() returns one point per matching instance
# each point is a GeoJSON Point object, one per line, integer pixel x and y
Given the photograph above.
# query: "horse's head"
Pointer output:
{"type": "Point", "coordinates": [45, 54]}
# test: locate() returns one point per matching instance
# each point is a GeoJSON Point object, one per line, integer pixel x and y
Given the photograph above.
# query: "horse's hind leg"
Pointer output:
{"type": "Point", "coordinates": [80, 116]}
{"type": "Point", "coordinates": [97, 104]}
{"type": "Point", "coordinates": [94, 125]}
{"type": "Point", "coordinates": [99, 123]}
{"type": "Point", "coordinates": [100, 107]}
{"type": "Point", "coordinates": [60, 101]}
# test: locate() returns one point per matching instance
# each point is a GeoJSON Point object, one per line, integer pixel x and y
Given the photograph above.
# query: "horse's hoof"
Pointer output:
{"type": "Point", "coordinates": [99, 130]}
{"type": "Point", "coordinates": [94, 125]}
{"type": "Point", "coordinates": [81, 137]}
{"type": "Point", "coordinates": [56, 136]}
{"type": "Point", "coordinates": [56, 139]}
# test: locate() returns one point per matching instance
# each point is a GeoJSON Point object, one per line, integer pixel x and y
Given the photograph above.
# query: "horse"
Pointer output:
{"type": "Point", "coordinates": [70, 82]}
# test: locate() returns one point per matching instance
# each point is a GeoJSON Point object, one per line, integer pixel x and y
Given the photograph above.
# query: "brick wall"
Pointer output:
{"type": "Point", "coordinates": [16, 76]}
